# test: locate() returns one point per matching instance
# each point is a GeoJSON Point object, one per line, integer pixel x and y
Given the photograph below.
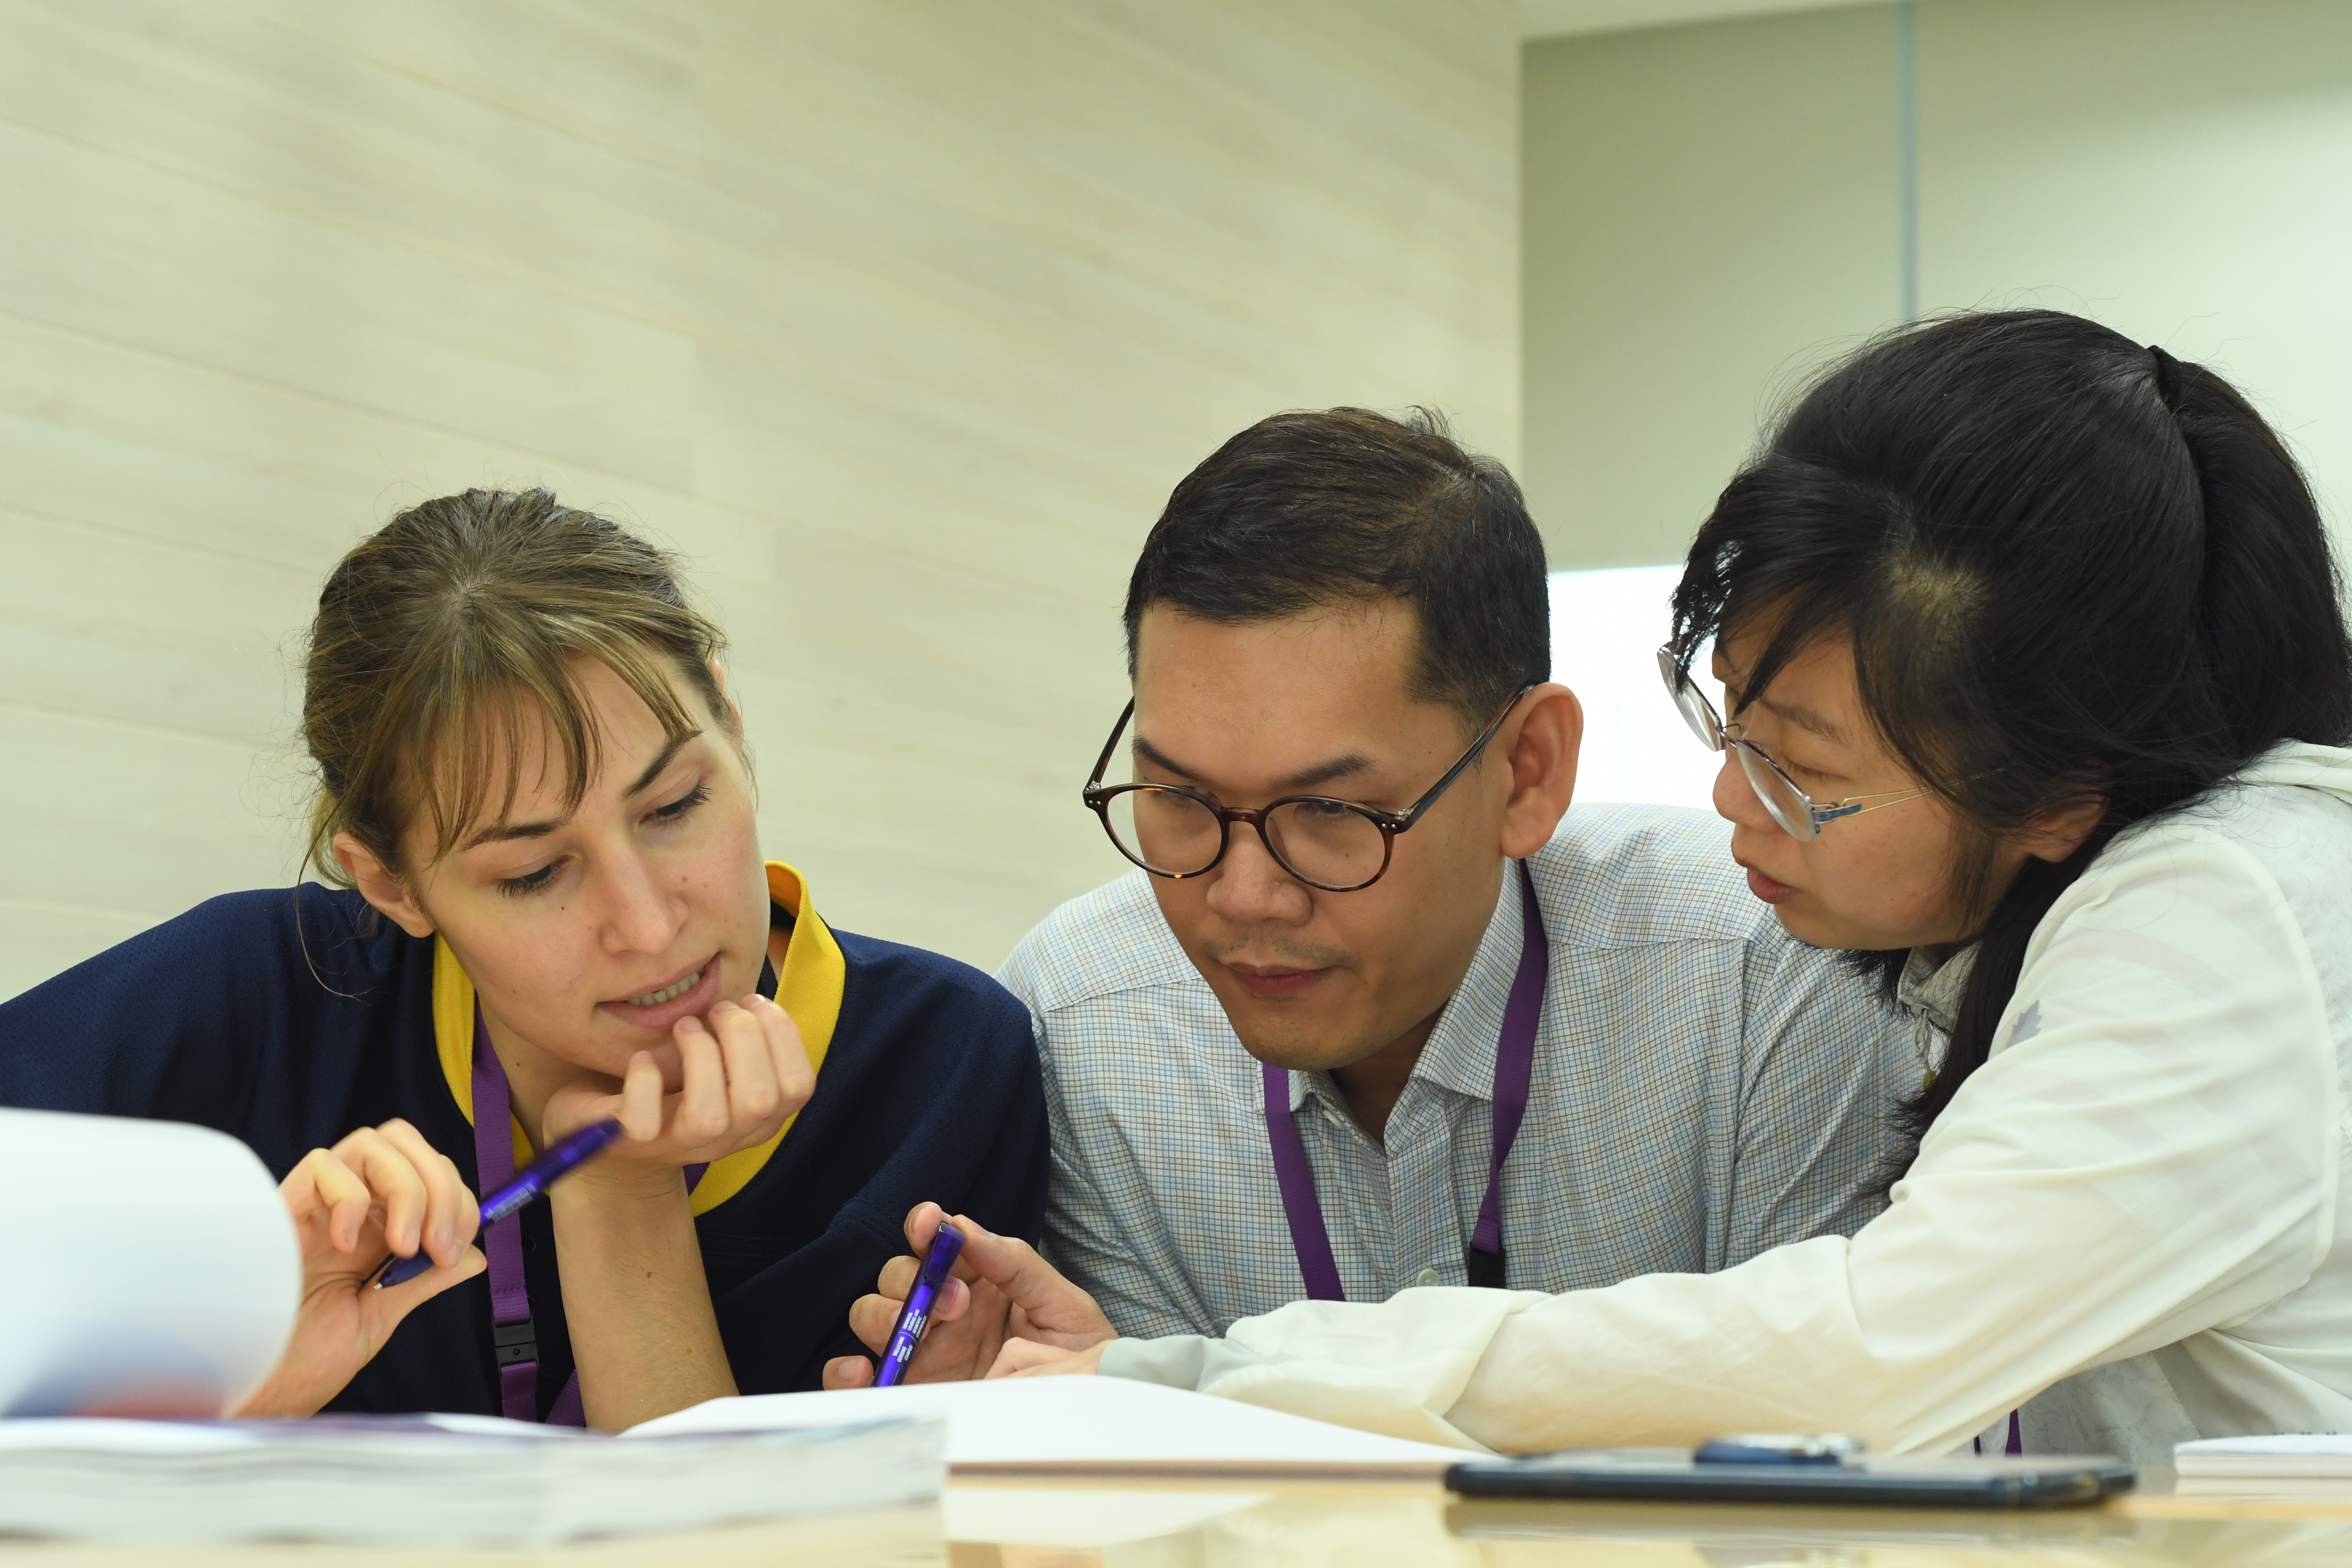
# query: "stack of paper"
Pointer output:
{"type": "Point", "coordinates": [2295, 1465]}
{"type": "Point", "coordinates": [438, 1479]}
{"type": "Point", "coordinates": [1104, 1426]}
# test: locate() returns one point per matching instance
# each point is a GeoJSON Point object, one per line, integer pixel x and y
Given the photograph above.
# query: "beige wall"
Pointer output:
{"type": "Point", "coordinates": [899, 318]}
{"type": "Point", "coordinates": [1712, 209]}
{"type": "Point", "coordinates": [2181, 170]}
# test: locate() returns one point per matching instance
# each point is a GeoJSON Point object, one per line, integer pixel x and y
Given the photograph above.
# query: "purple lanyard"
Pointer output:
{"type": "Point", "coordinates": [511, 1331]}
{"type": "Point", "coordinates": [1515, 1057]}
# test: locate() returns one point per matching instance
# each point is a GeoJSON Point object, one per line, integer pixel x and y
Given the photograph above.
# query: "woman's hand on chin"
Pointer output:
{"type": "Point", "coordinates": [380, 1190]}
{"type": "Point", "coordinates": [743, 1073]}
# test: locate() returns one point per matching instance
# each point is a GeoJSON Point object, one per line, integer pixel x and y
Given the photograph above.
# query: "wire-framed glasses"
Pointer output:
{"type": "Point", "coordinates": [1792, 807]}
{"type": "Point", "coordinates": [1336, 845]}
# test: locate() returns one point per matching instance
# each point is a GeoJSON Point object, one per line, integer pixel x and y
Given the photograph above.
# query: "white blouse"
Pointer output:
{"type": "Point", "coordinates": [2134, 1206]}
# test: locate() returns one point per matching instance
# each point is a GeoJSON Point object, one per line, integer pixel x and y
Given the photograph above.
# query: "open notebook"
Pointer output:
{"type": "Point", "coordinates": [1103, 1426]}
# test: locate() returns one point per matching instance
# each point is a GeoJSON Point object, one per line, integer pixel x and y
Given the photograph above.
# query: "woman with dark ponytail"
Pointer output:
{"type": "Point", "coordinates": [2037, 688]}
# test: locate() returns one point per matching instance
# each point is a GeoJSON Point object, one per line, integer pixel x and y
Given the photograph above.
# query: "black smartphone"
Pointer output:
{"type": "Point", "coordinates": [1672, 1475]}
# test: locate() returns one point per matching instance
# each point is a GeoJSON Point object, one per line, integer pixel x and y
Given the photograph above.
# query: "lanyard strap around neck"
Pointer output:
{"type": "Point", "coordinates": [1514, 1055]}
{"type": "Point", "coordinates": [515, 1340]}
{"type": "Point", "coordinates": [511, 1331]}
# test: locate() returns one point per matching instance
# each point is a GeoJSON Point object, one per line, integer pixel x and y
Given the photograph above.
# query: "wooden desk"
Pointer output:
{"type": "Point", "coordinates": [1036, 1525]}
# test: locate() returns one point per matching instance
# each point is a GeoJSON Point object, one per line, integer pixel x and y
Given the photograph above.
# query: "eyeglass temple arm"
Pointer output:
{"type": "Point", "coordinates": [1415, 812]}
{"type": "Point", "coordinates": [1103, 762]}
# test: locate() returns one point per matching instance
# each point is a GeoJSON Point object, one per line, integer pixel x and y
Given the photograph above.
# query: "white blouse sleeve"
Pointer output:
{"type": "Point", "coordinates": [2150, 1152]}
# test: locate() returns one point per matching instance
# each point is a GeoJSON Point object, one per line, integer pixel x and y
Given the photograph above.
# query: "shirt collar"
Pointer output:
{"type": "Point", "coordinates": [1930, 988]}
{"type": "Point", "coordinates": [1460, 1055]}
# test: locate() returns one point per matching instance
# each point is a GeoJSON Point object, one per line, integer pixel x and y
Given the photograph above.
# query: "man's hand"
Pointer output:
{"type": "Point", "coordinates": [383, 1189]}
{"type": "Point", "coordinates": [1001, 1293]}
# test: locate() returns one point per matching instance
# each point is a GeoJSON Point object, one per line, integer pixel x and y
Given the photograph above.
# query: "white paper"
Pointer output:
{"type": "Point", "coordinates": [437, 1478]}
{"type": "Point", "coordinates": [146, 1267]}
{"type": "Point", "coordinates": [1086, 1425]}
{"type": "Point", "coordinates": [2295, 1444]}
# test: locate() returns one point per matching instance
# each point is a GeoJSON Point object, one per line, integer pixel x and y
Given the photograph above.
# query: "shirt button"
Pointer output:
{"type": "Point", "coordinates": [1426, 1276]}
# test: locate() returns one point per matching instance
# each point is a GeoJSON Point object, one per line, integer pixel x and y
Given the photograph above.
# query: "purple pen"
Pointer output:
{"type": "Point", "coordinates": [568, 1154]}
{"type": "Point", "coordinates": [915, 1315]}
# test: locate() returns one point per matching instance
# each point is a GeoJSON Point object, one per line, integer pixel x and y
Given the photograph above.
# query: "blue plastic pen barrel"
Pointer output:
{"type": "Point", "coordinates": [567, 1155]}
{"type": "Point", "coordinates": [915, 1315]}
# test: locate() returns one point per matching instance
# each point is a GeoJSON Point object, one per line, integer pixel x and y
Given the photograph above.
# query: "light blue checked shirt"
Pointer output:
{"type": "Point", "coordinates": [1706, 1088]}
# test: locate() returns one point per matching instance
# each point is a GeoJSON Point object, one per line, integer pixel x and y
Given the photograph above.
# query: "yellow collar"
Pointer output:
{"type": "Point", "coordinates": [809, 990]}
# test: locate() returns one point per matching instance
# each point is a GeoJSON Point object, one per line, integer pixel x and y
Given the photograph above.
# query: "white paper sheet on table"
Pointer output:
{"type": "Point", "coordinates": [1092, 1427]}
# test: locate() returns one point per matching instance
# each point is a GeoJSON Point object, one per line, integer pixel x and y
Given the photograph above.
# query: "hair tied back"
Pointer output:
{"type": "Point", "coordinates": [2167, 378]}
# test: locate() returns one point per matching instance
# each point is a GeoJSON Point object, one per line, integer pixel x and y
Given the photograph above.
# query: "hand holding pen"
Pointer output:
{"type": "Point", "coordinates": [378, 1189]}
{"type": "Point", "coordinates": [997, 1291]}
{"type": "Point", "coordinates": [568, 1154]}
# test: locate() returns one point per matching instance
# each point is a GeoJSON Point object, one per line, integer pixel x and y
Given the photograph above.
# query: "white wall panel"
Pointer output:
{"type": "Point", "coordinates": [898, 318]}
{"type": "Point", "coordinates": [1712, 212]}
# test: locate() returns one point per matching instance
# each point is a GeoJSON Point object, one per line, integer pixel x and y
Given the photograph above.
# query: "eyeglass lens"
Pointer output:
{"type": "Point", "coordinates": [1172, 833]}
{"type": "Point", "coordinates": [1787, 804]}
{"type": "Point", "coordinates": [1689, 702]}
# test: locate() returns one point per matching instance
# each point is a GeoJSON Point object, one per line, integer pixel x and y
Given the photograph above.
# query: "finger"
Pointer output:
{"type": "Point", "coordinates": [1012, 1266]}
{"type": "Point", "coordinates": [897, 1277]}
{"type": "Point", "coordinates": [699, 1116]}
{"type": "Point", "coordinates": [953, 1302]}
{"type": "Point", "coordinates": [393, 1304]}
{"type": "Point", "coordinates": [872, 1318]}
{"type": "Point", "coordinates": [849, 1372]}
{"type": "Point", "coordinates": [923, 1222]}
{"type": "Point", "coordinates": [322, 1182]}
{"type": "Point", "coordinates": [641, 1098]}
{"type": "Point", "coordinates": [787, 1052]}
{"type": "Point", "coordinates": [752, 1096]}
{"type": "Point", "coordinates": [445, 1197]}
{"type": "Point", "coordinates": [397, 1188]}
{"type": "Point", "coordinates": [1018, 1357]}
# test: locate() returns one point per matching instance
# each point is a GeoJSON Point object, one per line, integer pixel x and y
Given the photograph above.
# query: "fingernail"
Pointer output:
{"type": "Point", "coordinates": [694, 1025]}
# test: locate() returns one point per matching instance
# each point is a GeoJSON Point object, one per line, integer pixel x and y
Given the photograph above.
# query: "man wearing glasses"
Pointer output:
{"type": "Point", "coordinates": [1370, 1014]}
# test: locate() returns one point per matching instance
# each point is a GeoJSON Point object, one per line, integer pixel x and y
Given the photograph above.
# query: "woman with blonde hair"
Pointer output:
{"type": "Point", "coordinates": [552, 908]}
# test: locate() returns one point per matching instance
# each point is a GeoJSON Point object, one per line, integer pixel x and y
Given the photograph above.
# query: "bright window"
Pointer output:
{"type": "Point", "coordinates": [1606, 627]}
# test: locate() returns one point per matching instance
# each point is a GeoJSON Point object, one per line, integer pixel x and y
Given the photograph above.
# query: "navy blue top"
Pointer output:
{"type": "Point", "coordinates": [290, 1016]}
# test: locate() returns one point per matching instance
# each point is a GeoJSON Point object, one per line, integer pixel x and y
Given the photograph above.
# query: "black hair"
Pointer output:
{"type": "Point", "coordinates": [2073, 569]}
{"type": "Point", "coordinates": [1346, 506]}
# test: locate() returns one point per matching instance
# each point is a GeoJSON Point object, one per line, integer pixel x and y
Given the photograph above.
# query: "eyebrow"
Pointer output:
{"type": "Point", "coordinates": [1802, 716]}
{"type": "Point", "coordinates": [507, 832]}
{"type": "Point", "coordinates": [1806, 718]}
{"type": "Point", "coordinates": [1339, 767]}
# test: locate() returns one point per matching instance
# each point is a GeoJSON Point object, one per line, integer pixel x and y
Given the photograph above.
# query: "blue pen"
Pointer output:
{"type": "Point", "coordinates": [915, 1315]}
{"type": "Point", "coordinates": [569, 1153]}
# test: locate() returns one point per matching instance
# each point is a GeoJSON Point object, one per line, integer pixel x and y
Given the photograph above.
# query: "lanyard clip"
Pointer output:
{"type": "Point", "coordinates": [1484, 1268]}
{"type": "Point", "coordinates": [516, 1342]}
